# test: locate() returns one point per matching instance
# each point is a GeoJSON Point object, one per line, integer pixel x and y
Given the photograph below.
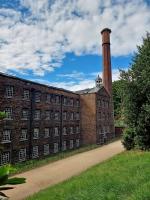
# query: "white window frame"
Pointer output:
{"type": "Point", "coordinates": [6, 136]}
{"type": "Point", "coordinates": [56, 131]}
{"type": "Point", "coordinates": [5, 158]}
{"type": "Point", "coordinates": [77, 142]}
{"type": "Point", "coordinates": [35, 152]}
{"type": "Point", "coordinates": [65, 101]}
{"type": "Point", "coordinates": [71, 116]}
{"type": "Point", "coordinates": [46, 132]}
{"type": "Point", "coordinates": [71, 144]}
{"type": "Point", "coordinates": [26, 94]}
{"type": "Point", "coordinates": [37, 97]}
{"type": "Point", "coordinates": [56, 115]}
{"type": "Point", "coordinates": [71, 130]}
{"type": "Point", "coordinates": [56, 147]}
{"type": "Point", "coordinates": [9, 112]}
{"type": "Point", "coordinates": [77, 116]}
{"type": "Point", "coordinates": [64, 146]}
{"type": "Point", "coordinates": [77, 129]}
{"type": "Point", "coordinates": [47, 115]}
{"type": "Point", "coordinates": [9, 91]}
{"type": "Point", "coordinates": [25, 114]}
{"type": "Point", "coordinates": [23, 135]}
{"type": "Point", "coordinates": [46, 149]}
{"type": "Point", "coordinates": [71, 102]}
{"type": "Point", "coordinates": [37, 115]}
{"type": "Point", "coordinates": [64, 130]}
{"type": "Point", "coordinates": [36, 132]}
{"type": "Point", "coordinates": [22, 154]}
{"type": "Point", "coordinates": [65, 115]}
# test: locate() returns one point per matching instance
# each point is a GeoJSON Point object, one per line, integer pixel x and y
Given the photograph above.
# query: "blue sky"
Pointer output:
{"type": "Point", "coordinates": [58, 42]}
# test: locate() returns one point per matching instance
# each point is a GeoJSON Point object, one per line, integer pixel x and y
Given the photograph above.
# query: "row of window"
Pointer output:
{"type": "Point", "coordinates": [103, 103]}
{"type": "Point", "coordinates": [6, 137]}
{"type": "Point", "coordinates": [22, 154]}
{"type": "Point", "coordinates": [104, 129]}
{"type": "Point", "coordinates": [104, 116]}
{"type": "Point", "coordinates": [48, 114]}
{"type": "Point", "coordinates": [50, 98]}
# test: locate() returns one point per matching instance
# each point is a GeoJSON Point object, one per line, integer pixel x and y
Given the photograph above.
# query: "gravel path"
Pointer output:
{"type": "Point", "coordinates": [61, 170]}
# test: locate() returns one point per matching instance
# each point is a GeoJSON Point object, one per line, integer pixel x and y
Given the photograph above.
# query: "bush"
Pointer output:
{"type": "Point", "coordinates": [128, 138]}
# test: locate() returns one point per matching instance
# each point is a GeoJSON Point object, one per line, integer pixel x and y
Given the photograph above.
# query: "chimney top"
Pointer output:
{"type": "Point", "coordinates": [106, 29]}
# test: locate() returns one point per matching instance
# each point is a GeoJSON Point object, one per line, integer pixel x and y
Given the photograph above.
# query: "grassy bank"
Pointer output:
{"type": "Point", "coordinates": [124, 177]}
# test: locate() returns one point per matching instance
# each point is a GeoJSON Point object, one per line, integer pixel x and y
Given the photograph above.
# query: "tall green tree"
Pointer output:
{"type": "Point", "coordinates": [118, 98]}
{"type": "Point", "coordinates": [137, 99]}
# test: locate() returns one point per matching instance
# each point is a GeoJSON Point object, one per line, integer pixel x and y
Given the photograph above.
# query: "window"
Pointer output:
{"type": "Point", "coordinates": [26, 94]}
{"type": "Point", "coordinates": [23, 135]}
{"type": "Point", "coordinates": [99, 103]}
{"type": "Point", "coordinates": [37, 97]}
{"type": "Point", "coordinates": [72, 116]}
{"type": "Point", "coordinates": [25, 114]}
{"type": "Point", "coordinates": [56, 131]}
{"type": "Point", "coordinates": [77, 129]}
{"type": "Point", "coordinates": [47, 115]}
{"type": "Point", "coordinates": [36, 133]}
{"type": "Point", "coordinates": [71, 102]}
{"type": "Point", "coordinates": [46, 149]}
{"type": "Point", "coordinates": [55, 147]}
{"type": "Point", "coordinates": [8, 112]}
{"type": "Point", "coordinates": [65, 101]}
{"type": "Point", "coordinates": [37, 114]}
{"type": "Point", "coordinates": [78, 103]}
{"type": "Point", "coordinates": [64, 131]}
{"type": "Point", "coordinates": [99, 115]}
{"type": "Point", "coordinates": [5, 158]}
{"type": "Point", "coordinates": [46, 132]}
{"type": "Point", "coordinates": [71, 130]}
{"type": "Point", "coordinates": [77, 116]}
{"type": "Point", "coordinates": [9, 91]}
{"type": "Point", "coordinates": [6, 136]}
{"type": "Point", "coordinates": [64, 115]}
{"type": "Point", "coordinates": [35, 152]}
{"type": "Point", "coordinates": [56, 115]}
{"type": "Point", "coordinates": [64, 146]}
{"type": "Point", "coordinates": [77, 142]}
{"type": "Point", "coordinates": [22, 154]}
{"type": "Point", "coordinates": [71, 144]}
{"type": "Point", "coordinates": [57, 99]}
{"type": "Point", "coordinates": [48, 98]}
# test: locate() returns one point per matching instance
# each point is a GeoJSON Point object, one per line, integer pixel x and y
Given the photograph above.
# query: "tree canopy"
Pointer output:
{"type": "Point", "coordinates": [137, 98]}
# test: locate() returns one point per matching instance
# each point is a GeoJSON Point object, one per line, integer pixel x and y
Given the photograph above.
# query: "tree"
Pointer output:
{"type": "Point", "coordinates": [137, 98]}
{"type": "Point", "coordinates": [118, 99]}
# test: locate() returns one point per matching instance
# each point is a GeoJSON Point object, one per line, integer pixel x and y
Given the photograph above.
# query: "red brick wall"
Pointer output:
{"type": "Point", "coordinates": [88, 118]}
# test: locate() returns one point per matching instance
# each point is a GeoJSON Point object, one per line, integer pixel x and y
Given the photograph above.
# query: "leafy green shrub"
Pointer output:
{"type": "Point", "coordinates": [4, 179]}
{"type": "Point", "coordinates": [128, 138]}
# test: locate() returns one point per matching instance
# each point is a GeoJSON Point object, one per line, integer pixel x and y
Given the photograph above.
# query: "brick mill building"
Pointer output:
{"type": "Point", "coordinates": [43, 120]}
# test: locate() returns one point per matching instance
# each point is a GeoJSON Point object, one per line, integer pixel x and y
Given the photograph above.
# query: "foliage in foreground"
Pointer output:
{"type": "Point", "coordinates": [137, 99]}
{"type": "Point", "coordinates": [125, 176]}
{"type": "Point", "coordinates": [5, 180]}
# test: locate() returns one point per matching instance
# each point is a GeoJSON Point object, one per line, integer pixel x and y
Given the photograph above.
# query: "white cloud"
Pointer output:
{"type": "Point", "coordinates": [78, 82]}
{"type": "Point", "coordinates": [39, 41]}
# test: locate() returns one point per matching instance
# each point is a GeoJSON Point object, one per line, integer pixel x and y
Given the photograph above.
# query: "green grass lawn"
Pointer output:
{"type": "Point", "coordinates": [123, 177]}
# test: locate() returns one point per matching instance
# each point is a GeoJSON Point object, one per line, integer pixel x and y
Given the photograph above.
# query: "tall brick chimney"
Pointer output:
{"type": "Point", "coordinates": [107, 75]}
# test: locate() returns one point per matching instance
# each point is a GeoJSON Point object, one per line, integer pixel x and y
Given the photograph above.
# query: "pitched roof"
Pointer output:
{"type": "Point", "coordinates": [90, 90]}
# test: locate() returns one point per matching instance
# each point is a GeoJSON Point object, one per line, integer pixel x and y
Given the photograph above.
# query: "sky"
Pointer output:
{"type": "Point", "coordinates": [58, 42]}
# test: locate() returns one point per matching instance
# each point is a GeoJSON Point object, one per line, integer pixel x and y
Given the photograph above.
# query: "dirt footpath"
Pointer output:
{"type": "Point", "coordinates": [61, 170]}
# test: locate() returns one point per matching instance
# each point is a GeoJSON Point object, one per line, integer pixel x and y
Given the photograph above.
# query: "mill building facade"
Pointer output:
{"type": "Point", "coordinates": [43, 120]}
